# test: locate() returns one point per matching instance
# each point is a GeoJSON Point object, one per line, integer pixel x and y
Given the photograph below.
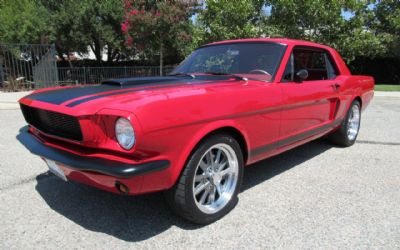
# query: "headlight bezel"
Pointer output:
{"type": "Point", "coordinates": [124, 133]}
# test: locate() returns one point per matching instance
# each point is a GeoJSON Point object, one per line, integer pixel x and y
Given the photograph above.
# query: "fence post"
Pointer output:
{"type": "Point", "coordinates": [161, 59]}
{"type": "Point", "coordinates": [53, 55]}
{"type": "Point", "coordinates": [84, 75]}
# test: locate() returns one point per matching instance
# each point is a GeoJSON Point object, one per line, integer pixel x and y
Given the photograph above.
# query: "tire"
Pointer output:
{"type": "Point", "coordinates": [347, 133]}
{"type": "Point", "coordinates": [216, 178]}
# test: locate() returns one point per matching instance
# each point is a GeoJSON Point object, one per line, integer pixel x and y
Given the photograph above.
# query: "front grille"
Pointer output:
{"type": "Point", "coordinates": [53, 123]}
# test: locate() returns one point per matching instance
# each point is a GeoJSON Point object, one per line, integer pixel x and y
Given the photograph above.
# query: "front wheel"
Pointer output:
{"type": "Point", "coordinates": [208, 187]}
{"type": "Point", "coordinates": [346, 135]}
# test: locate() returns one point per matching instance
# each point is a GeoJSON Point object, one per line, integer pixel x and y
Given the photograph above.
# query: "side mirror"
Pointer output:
{"type": "Point", "coordinates": [301, 75]}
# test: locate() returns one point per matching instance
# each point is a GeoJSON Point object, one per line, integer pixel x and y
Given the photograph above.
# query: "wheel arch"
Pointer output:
{"type": "Point", "coordinates": [357, 98]}
{"type": "Point", "coordinates": [235, 133]}
{"type": "Point", "coordinates": [221, 127]}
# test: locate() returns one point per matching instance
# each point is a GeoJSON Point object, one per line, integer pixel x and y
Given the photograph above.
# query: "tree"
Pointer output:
{"type": "Point", "coordinates": [72, 25]}
{"type": "Point", "coordinates": [386, 22]}
{"type": "Point", "coordinates": [79, 24]}
{"type": "Point", "coordinates": [162, 26]}
{"type": "Point", "coordinates": [23, 21]}
{"type": "Point", "coordinates": [225, 19]}
{"type": "Point", "coordinates": [323, 21]}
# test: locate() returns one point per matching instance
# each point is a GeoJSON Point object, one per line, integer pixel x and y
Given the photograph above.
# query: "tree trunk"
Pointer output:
{"type": "Point", "coordinates": [161, 59]}
{"type": "Point", "coordinates": [96, 48]}
{"type": "Point", "coordinates": [69, 61]}
{"type": "Point", "coordinates": [113, 54]}
{"type": "Point", "coordinates": [109, 58]}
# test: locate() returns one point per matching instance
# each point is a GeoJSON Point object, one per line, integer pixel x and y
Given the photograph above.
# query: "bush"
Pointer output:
{"type": "Point", "coordinates": [385, 70]}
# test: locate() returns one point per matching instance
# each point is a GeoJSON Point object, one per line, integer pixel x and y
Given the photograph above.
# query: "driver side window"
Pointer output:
{"type": "Point", "coordinates": [317, 63]}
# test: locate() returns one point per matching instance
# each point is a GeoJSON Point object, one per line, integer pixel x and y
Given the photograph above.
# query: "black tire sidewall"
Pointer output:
{"type": "Point", "coordinates": [345, 125]}
{"type": "Point", "coordinates": [191, 166]}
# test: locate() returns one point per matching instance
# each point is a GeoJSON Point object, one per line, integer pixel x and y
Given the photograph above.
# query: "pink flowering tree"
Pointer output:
{"type": "Point", "coordinates": [157, 27]}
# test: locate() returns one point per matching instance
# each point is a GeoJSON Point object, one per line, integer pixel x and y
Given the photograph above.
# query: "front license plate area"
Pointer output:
{"type": "Point", "coordinates": [56, 170]}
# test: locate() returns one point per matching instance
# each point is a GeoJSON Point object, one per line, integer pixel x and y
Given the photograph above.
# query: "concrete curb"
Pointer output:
{"type": "Point", "coordinates": [387, 93]}
{"type": "Point", "coordinates": [9, 100]}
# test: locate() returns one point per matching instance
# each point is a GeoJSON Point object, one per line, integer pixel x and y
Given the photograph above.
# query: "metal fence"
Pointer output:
{"type": "Point", "coordinates": [90, 75]}
{"type": "Point", "coordinates": [27, 66]}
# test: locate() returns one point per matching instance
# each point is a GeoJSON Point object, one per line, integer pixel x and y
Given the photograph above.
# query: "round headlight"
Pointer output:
{"type": "Point", "coordinates": [124, 133]}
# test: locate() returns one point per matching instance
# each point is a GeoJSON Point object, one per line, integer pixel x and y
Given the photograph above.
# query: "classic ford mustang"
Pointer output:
{"type": "Point", "coordinates": [228, 105]}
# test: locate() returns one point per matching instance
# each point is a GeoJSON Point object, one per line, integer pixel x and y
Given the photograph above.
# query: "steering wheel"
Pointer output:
{"type": "Point", "coordinates": [259, 70]}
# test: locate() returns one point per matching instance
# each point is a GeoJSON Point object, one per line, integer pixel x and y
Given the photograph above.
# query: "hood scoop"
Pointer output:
{"type": "Point", "coordinates": [125, 82]}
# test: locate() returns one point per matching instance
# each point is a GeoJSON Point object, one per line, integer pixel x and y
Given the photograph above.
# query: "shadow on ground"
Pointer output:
{"type": "Point", "coordinates": [139, 218]}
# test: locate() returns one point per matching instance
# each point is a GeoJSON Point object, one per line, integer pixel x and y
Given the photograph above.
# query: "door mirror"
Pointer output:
{"type": "Point", "coordinates": [301, 75]}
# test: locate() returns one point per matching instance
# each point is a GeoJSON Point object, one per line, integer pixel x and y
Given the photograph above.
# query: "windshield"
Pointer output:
{"type": "Point", "coordinates": [258, 61]}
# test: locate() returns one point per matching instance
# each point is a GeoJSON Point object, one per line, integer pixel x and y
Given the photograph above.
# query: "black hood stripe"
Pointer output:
{"type": "Point", "coordinates": [150, 87]}
{"type": "Point", "coordinates": [129, 90]}
{"type": "Point", "coordinates": [60, 96]}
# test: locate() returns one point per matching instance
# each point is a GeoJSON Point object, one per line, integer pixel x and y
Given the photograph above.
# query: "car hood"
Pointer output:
{"type": "Point", "coordinates": [124, 94]}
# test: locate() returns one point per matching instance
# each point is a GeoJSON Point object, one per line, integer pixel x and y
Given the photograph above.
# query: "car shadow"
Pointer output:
{"type": "Point", "coordinates": [137, 218]}
{"type": "Point", "coordinates": [268, 168]}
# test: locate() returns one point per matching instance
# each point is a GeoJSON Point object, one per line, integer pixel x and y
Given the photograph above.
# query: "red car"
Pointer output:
{"type": "Point", "coordinates": [226, 106]}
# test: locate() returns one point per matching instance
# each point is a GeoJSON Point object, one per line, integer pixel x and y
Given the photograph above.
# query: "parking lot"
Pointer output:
{"type": "Point", "coordinates": [315, 196]}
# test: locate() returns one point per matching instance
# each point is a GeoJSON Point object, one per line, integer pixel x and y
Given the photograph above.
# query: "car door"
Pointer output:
{"type": "Point", "coordinates": [309, 104]}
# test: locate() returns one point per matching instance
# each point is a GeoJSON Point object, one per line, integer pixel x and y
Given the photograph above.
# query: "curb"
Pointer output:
{"type": "Point", "coordinates": [8, 106]}
{"type": "Point", "coordinates": [387, 93]}
{"type": "Point", "coordinates": [9, 100]}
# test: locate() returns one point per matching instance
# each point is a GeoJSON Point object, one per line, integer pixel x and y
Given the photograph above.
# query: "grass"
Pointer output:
{"type": "Point", "coordinates": [387, 87]}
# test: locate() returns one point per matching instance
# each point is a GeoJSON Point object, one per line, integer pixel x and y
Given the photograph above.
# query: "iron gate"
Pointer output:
{"type": "Point", "coordinates": [24, 66]}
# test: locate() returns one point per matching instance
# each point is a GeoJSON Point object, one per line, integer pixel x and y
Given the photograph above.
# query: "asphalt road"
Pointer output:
{"type": "Point", "coordinates": [315, 196]}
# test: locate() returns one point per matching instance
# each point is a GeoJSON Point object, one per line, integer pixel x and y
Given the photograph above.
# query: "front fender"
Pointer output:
{"type": "Point", "coordinates": [205, 130]}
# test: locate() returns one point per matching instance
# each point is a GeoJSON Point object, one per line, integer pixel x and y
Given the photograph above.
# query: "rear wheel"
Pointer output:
{"type": "Point", "coordinates": [347, 134]}
{"type": "Point", "coordinates": [208, 187]}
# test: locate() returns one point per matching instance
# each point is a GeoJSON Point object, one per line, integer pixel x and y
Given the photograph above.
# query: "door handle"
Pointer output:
{"type": "Point", "coordinates": [336, 86]}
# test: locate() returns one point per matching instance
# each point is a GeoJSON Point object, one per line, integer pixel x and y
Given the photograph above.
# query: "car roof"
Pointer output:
{"type": "Point", "coordinates": [285, 41]}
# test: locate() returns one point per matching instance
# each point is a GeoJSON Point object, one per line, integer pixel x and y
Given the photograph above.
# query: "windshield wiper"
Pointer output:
{"type": "Point", "coordinates": [237, 77]}
{"type": "Point", "coordinates": [183, 74]}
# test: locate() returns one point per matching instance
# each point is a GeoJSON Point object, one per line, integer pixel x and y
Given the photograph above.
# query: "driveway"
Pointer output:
{"type": "Point", "coordinates": [315, 196]}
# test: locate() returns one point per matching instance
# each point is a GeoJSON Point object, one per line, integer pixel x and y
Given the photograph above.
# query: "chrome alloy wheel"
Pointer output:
{"type": "Point", "coordinates": [353, 122]}
{"type": "Point", "coordinates": [216, 178]}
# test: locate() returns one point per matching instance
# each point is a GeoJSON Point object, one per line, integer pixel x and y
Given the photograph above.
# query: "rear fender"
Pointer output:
{"type": "Point", "coordinates": [364, 90]}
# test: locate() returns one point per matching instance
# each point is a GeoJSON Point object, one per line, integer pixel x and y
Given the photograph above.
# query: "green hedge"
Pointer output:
{"type": "Point", "coordinates": [385, 70]}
